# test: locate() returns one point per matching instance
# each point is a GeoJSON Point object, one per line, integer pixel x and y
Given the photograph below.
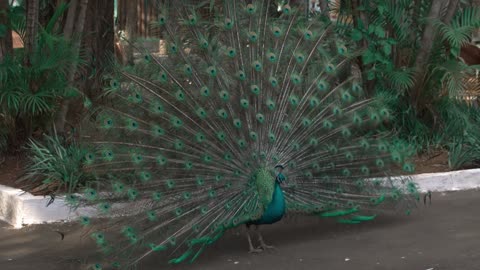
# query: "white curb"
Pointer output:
{"type": "Point", "coordinates": [20, 208]}
{"type": "Point", "coordinates": [448, 181]}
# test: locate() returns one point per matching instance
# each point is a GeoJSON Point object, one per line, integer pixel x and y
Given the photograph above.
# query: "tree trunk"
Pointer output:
{"type": "Point", "coordinates": [72, 13]}
{"type": "Point", "coordinates": [79, 26]}
{"type": "Point", "coordinates": [426, 45]}
{"type": "Point", "coordinates": [61, 117]}
{"type": "Point", "coordinates": [99, 45]}
{"type": "Point", "coordinates": [476, 33]}
{"type": "Point", "coordinates": [6, 43]}
{"type": "Point", "coordinates": [122, 14]}
{"type": "Point", "coordinates": [31, 29]}
{"type": "Point", "coordinates": [46, 11]}
{"type": "Point", "coordinates": [358, 15]}
{"type": "Point", "coordinates": [451, 10]}
{"type": "Point", "coordinates": [131, 29]}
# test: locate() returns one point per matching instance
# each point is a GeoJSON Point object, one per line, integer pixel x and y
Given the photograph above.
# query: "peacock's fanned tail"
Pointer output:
{"type": "Point", "coordinates": [183, 147]}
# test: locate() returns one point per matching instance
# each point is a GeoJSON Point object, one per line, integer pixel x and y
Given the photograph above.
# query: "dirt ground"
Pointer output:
{"type": "Point", "coordinates": [436, 161]}
{"type": "Point", "coordinates": [441, 236]}
{"type": "Point", "coordinates": [11, 167]}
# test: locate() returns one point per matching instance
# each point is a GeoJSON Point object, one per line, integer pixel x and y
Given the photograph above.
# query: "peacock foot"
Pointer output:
{"type": "Point", "coordinates": [265, 247]}
{"type": "Point", "coordinates": [255, 250]}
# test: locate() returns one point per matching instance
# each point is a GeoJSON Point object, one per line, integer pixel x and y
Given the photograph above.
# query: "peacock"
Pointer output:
{"type": "Point", "coordinates": [257, 111]}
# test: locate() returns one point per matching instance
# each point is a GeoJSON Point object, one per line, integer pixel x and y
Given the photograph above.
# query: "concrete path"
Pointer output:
{"type": "Point", "coordinates": [443, 236]}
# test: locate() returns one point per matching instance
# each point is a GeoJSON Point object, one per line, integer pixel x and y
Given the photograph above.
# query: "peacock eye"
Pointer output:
{"type": "Point", "coordinates": [250, 8]}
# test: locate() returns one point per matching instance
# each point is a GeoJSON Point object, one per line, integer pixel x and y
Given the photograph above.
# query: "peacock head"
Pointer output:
{"type": "Point", "coordinates": [265, 181]}
{"type": "Point", "coordinates": [279, 168]}
{"type": "Point", "coordinates": [279, 175]}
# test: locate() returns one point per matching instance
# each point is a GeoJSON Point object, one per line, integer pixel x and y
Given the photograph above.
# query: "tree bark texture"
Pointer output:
{"type": "Point", "coordinates": [426, 45]}
{"type": "Point", "coordinates": [451, 10]}
{"type": "Point", "coordinates": [6, 43]}
{"type": "Point", "coordinates": [476, 33]}
{"type": "Point", "coordinates": [79, 26]}
{"type": "Point", "coordinates": [99, 43]}
{"type": "Point", "coordinates": [131, 29]}
{"type": "Point", "coordinates": [31, 28]}
{"type": "Point", "coordinates": [146, 12]}
{"type": "Point", "coordinates": [70, 22]}
{"type": "Point", "coordinates": [61, 117]}
{"type": "Point", "coordinates": [358, 15]}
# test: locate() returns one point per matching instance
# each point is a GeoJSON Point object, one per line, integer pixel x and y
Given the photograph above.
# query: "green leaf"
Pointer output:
{"type": "Point", "coordinates": [360, 25]}
{"type": "Point", "coordinates": [391, 41]}
{"type": "Point", "coordinates": [47, 181]}
{"type": "Point", "coordinates": [368, 57]}
{"type": "Point", "coordinates": [389, 66]}
{"type": "Point", "coordinates": [212, 5]}
{"type": "Point", "coordinates": [3, 30]}
{"type": "Point", "coordinates": [371, 29]}
{"type": "Point", "coordinates": [71, 93]}
{"type": "Point", "coordinates": [387, 49]}
{"type": "Point", "coordinates": [58, 12]}
{"type": "Point", "coordinates": [370, 75]}
{"type": "Point", "coordinates": [401, 79]}
{"type": "Point", "coordinates": [455, 51]}
{"type": "Point", "coordinates": [379, 58]}
{"type": "Point", "coordinates": [381, 9]}
{"type": "Point", "coordinates": [356, 35]}
{"type": "Point", "coordinates": [379, 31]}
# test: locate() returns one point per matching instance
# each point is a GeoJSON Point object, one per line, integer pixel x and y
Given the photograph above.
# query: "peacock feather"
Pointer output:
{"type": "Point", "coordinates": [187, 146]}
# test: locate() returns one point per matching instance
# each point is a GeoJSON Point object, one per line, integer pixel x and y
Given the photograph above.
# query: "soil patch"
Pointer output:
{"type": "Point", "coordinates": [433, 162]}
{"type": "Point", "coordinates": [11, 167]}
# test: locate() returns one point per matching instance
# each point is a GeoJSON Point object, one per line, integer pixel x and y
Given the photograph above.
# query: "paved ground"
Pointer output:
{"type": "Point", "coordinates": [445, 235]}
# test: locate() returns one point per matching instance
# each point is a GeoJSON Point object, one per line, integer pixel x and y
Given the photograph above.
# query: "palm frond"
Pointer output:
{"type": "Point", "coordinates": [401, 79]}
{"type": "Point", "coordinates": [462, 26]}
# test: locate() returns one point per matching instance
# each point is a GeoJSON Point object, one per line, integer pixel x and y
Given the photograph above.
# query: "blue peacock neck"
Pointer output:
{"type": "Point", "coordinates": [271, 196]}
{"type": "Point", "coordinates": [280, 178]}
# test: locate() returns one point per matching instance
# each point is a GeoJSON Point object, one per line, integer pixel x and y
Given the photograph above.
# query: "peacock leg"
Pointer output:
{"type": "Point", "coordinates": [260, 239]}
{"type": "Point", "coordinates": [252, 249]}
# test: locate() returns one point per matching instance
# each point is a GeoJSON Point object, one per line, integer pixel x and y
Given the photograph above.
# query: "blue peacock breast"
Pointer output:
{"type": "Point", "coordinates": [276, 209]}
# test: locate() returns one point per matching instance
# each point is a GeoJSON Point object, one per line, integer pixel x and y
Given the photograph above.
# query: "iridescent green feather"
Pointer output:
{"type": "Point", "coordinates": [187, 145]}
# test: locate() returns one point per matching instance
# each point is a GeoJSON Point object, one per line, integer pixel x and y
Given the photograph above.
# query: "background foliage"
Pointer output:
{"type": "Point", "coordinates": [31, 91]}
{"type": "Point", "coordinates": [410, 57]}
{"type": "Point", "coordinates": [425, 96]}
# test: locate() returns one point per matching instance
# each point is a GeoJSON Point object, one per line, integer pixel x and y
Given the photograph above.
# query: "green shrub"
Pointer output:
{"type": "Point", "coordinates": [54, 167]}
{"type": "Point", "coordinates": [30, 92]}
{"type": "Point", "coordinates": [461, 133]}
